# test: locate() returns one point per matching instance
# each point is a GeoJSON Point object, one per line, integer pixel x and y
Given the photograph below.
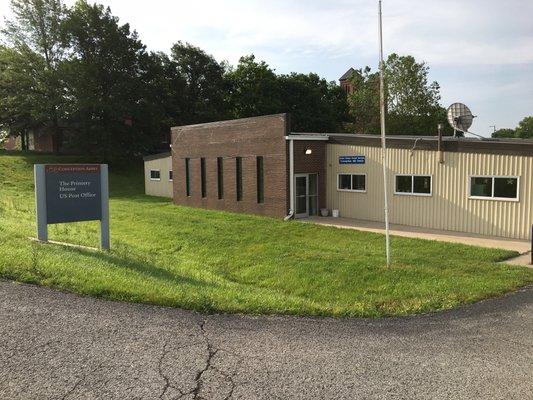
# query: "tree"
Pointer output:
{"type": "Point", "coordinates": [204, 91]}
{"type": "Point", "coordinates": [105, 84]}
{"type": "Point", "coordinates": [253, 89]}
{"type": "Point", "coordinates": [504, 133]}
{"type": "Point", "coordinates": [364, 101]}
{"type": "Point", "coordinates": [164, 94]}
{"type": "Point", "coordinates": [524, 129]}
{"type": "Point", "coordinates": [23, 101]}
{"type": "Point", "coordinates": [412, 102]}
{"type": "Point", "coordinates": [34, 36]}
{"type": "Point", "coordinates": [315, 104]}
{"type": "Point", "coordinates": [408, 89]}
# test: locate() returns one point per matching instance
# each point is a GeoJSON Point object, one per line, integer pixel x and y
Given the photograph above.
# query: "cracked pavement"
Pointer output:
{"type": "Point", "coordinates": [56, 345]}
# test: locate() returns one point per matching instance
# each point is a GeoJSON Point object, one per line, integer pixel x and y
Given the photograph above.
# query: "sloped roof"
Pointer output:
{"type": "Point", "coordinates": [347, 74]}
{"type": "Point", "coordinates": [157, 156]}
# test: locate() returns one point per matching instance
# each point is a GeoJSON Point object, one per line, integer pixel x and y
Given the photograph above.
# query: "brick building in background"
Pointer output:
{"type": "Point", "coordinates": [345, 83]}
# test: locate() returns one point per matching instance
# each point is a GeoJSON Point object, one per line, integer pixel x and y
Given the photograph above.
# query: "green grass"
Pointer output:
{"type": "Point", "coordinates": [217, 261]}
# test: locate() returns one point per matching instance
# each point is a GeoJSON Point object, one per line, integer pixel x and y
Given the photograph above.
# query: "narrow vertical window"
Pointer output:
{"type": "Point", "coordinates": [238, 176]}
{"type": "Point", "coordinates": [202, 176]}
{"type": "Point", "coordinates": [260, 180]}
{"type": "Point", "coordinates": [187, 177]}
{"type": "Point", "coordinates": [220, 177]}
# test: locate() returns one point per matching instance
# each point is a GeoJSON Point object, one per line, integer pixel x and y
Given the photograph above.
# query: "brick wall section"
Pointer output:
{"type": "Point", "coordinates": [246, 138]}
{"type": "Point", "coordinates": [312, 163]}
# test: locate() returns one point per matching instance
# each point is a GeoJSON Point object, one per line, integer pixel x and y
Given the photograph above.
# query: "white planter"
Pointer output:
{"type": "Point", "coordinates": [335, 213]}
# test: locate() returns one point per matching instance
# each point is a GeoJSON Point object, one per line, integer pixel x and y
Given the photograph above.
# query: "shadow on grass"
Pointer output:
{"type": "Point", "coordinates": [143, 266]}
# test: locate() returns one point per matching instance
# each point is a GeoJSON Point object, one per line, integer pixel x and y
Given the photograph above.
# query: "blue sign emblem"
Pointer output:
{"type": "Point", "coordinates": [351, 159]}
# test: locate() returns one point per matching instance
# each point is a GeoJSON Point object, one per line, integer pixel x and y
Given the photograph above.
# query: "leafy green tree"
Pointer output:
{"type": "Point", "coordinates": [408, 90]}
{"type": "Point", "coordinates": [23, 105]}
{"type": "Point", "coordinates": [105, 84]}
{"type": "Point", "coordinates": [524, 129]}
{"type": "Point", "coordinates": [203, 96]}
{"type": "Point", "coordinates": [31, 76]}
{"type": "Point", "coordinates": [364, 102]}
{"type": "Point", "coordinates": [412, 102]}
{"type": "Point", "coordinates": [164, 94]}
{"type": "Point", "coordinates": [504, 133]}
{"type": "Point", "coordinates": [315, 104]}
{"type": "Point", "coordinates": [253, 89]}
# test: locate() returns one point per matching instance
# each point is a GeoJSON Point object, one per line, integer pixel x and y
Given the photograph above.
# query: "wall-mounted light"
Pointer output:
{"type": "Point", "coordinates": [308, 151]}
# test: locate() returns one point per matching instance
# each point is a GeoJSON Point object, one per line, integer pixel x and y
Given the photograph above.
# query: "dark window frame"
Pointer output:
{"type": "Point", "coordinates": [238, 178]}
{"type": "Point", "coordinates": [260, 171]}
{"type": "Point", "coordinates": [203, 178]}
{"type": "Point", "coordinates": [188, 177]}
{"type": "Point", "coordinates": [220, 177]}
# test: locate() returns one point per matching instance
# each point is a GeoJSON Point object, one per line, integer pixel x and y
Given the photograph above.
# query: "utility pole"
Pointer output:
{"type": "Point", "coordinates": [383, 140]}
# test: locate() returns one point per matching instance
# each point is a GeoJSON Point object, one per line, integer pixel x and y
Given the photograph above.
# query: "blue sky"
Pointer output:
{"type": "Point", "coordinates": [480, 51]}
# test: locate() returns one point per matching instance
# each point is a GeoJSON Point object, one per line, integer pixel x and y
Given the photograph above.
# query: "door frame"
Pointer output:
{"type": "Point", "coordinates": [306, 176]}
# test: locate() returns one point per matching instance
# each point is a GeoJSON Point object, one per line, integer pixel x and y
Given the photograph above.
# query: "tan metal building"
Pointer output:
{"type": "Point", "coordinates": [158, 175]}
{"type": "Point", "coordinates": [481, 187]}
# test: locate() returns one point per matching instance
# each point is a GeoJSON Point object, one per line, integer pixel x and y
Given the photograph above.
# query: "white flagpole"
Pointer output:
{"type": "Point", "coordinates": [383, 141]}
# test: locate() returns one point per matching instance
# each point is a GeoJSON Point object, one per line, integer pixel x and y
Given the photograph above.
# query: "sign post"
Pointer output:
{"type": "Point", "coordinates": [71, 193]}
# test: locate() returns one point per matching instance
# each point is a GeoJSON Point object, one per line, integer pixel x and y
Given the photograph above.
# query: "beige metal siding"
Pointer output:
{"type": "Point", "coordinates": [163, 187]}
{"type": "Point", "coordinates": [449, 207]}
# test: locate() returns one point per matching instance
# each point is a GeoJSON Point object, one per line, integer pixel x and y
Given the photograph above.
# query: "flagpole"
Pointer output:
{"type": "Point", "coordinates": [383, 141]}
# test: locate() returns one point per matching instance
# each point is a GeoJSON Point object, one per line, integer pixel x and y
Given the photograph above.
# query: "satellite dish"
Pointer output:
{"type": "Point", "coordinates": [460, 117]}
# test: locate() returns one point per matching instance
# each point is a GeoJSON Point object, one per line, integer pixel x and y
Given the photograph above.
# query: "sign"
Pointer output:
{"type": "Point", "coordinates": [71, 193]}
{"type": "Point", "coordinates": [352, 159]}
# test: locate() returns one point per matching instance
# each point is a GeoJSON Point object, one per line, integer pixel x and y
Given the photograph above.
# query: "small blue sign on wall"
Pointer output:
{"type": "Point", "coordinates": [351, 159]}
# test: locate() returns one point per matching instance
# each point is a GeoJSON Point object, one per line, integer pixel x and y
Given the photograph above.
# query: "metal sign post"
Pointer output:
{"type": "Point", "coordinates": [71, 193]}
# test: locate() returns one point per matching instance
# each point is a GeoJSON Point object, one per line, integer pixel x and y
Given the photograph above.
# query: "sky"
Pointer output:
{"type": "Point", "coordinates": [479, 51]}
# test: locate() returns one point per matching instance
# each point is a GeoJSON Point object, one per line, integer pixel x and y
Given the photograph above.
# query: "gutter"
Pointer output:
{"type": "Point", "coordinates": [291, 180]}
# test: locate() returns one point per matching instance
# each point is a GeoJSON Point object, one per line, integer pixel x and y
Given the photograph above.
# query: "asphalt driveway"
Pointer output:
{"type": "Point", "coordinates": [63, 346]}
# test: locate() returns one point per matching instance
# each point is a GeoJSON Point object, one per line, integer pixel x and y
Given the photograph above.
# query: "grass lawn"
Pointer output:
{"type": "Point", "coordinates": [217, 261]}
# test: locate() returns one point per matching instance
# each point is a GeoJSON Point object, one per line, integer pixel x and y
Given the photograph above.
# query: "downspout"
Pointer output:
{"type": "Point", "coordinates": [291, 180]}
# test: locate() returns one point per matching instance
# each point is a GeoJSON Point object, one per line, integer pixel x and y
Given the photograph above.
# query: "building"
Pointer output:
{"type": "Point", "coordinates": [158, 175]}
{"type": "Point", "coordinates": [256, 165]}
{"type": "Point", "coordinates": [345, 83]}
{"type": "Point", "coordinates": [35, 141]}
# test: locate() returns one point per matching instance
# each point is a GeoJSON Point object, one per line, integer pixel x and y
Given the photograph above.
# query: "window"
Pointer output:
{"type": "Point", "coordinates": [351, 182]}
{"type": "Point", "coordinates": [418, 185]}
{"type": "Point", "coordinates": [494, 187]}
{"type": "Point", "coordinates": [155, 175]}
{"type": "Point", "coordinates": [187, 177]}
{"type": "Point", "coordinates": [202, 177]}
{"type": "Point", "coordinates": [170, 175]}
{"type": "Point", "coordinates": [238, 177]}
{"type": "Point", "coordinates": [220, 177]}
{"type": "Point", "coordinates": [260, 180]}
